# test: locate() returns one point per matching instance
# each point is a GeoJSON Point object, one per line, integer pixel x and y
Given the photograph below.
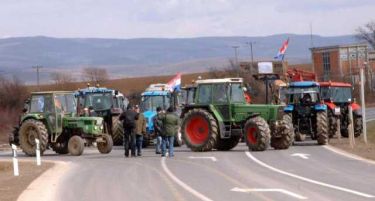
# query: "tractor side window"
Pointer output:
{"type": "Point", "coordinates": [204, 94]}
{"type": "Point", "coordinates": [237, 94]}
{"type": "Point", "coordinates": [70, 103]}
{"type": "Point", "coordinates": [60, 103]}
{"type": "Point", "coordinates": [219, 93]}
{"type": "Point", "coordinates": [37, 104]}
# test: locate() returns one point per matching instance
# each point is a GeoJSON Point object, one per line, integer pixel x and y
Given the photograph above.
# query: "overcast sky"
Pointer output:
{"type": "Point", "coordinates": [181, 18]}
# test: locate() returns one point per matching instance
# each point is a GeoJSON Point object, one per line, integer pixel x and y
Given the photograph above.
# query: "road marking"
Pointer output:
{"type": "Point", "coordinates": [204, 157]}
{"type": "Point", "coordinates": [307, 179]}
{"type": "Point", "coordinates": [248, 190]}
{"type": "Point", "coordinates": [349, 155]}
{"type": "Point", "coordinates": [304, 156]}
{"type": "Point", "coordinates": [181, 183]}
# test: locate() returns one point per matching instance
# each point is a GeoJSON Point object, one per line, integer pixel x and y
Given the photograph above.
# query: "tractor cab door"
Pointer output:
{"type": "Point", "coordinates": [221, 100]}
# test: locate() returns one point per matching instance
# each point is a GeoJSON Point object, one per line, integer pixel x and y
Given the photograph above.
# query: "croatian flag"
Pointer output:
{"type": "Point", "coordinates": [280, 55]}
{"type": "Point", "coordinates": [175, 83]}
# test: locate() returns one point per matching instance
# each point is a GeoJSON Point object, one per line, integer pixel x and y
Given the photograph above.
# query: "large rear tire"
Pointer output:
{"type": "Point", "coordinates": [106, 146]}
{"type": "Point", "coordinates": [76, 145]}
{"type": "Point", "coordinates": [227, 144]}
{"type": "Point", "coordinates": [357, 125]}
{"type": "Point", "coordinates": [30, 130]}
{"type": "Point", "coordinates": [117, 132]}
{"type": "Point", "coordinates": [199, 130]}
{"type": "Point", "coordinates": [322, 127]}
{"type": "Point", "coordinates": [257, 133]}
{"type": "Point", "coordinates": [285, 134]}
{"type": "Point", "coordinates": [332, 124]}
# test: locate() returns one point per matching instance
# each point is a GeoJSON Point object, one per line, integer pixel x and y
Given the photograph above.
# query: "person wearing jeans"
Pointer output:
{"type": "Point", "coordinates": [158, 128]}
{"type": "Point", "coordinates": [170, 128]}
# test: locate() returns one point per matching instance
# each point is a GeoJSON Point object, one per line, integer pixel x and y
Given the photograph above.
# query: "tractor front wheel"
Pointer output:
{"type": "Point", "coordinates": [257, 134]}
{"type": "Point", "coordinates": [322, 128]}
{"type": "Point", "coordinates": [76, 145]}
{"type": "Point", "coordinates": [117, 131]}
{"type": "Point", "coordinates": [30, 130]}
{"type": "Point", "coordinates": [357, 125]}
{"type": "Point", "coordinates": [332, 124]}
{"type": "Point", "coordinates": [285, 134]}
{"type": "Point", "coordinates": [61, 145]}
{"type": "Point", "coordinates": [199, 130]}
{"type": "Point", "coordinates": [105, 145]}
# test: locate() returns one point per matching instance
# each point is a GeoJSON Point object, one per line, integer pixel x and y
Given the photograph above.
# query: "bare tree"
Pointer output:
{"type": "Point", "coordinates": [61, 78]}
{"type": "Point", "coordinates": [97, 75]}
{"type": "Point", "coordinates": [367, 33]}
{"type": "Point", "coordinates": [12, 93]}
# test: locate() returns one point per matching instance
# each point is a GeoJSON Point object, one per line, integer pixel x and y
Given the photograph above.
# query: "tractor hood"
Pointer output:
{"type": "Point", "coordinates": [268, 112]}
{"type": "Point", "coordinates": [89, 125]}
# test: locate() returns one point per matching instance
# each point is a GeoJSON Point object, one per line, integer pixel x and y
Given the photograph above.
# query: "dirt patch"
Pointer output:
{"type": "Point", "coordinates": [360, 148]}
{"type": "Point", "coordinates": [10, 186]}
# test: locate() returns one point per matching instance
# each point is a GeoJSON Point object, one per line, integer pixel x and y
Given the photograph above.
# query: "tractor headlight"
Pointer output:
{"type": "Point", "coordinates": [96, 127]}
{"type": "Point", "coordinates": [337, 111]}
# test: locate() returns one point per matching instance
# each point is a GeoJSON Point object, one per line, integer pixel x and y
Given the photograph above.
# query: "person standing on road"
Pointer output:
{"type": "Point", "coordinates": [140, 130]}
{"type": "Point", "coordinates": [170, 124]}
{"type": "Point", "coordinates": [158, 128]}
{"type": "Point", "coordinates": [128, 122]}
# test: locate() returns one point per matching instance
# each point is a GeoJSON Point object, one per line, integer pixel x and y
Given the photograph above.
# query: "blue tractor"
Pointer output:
{"type": "Point", "coordinates": [106, 103]}
{"type": "Point", "coordinates": [157, 95]}
{"type": "Point", "coordinates": [307, 111]}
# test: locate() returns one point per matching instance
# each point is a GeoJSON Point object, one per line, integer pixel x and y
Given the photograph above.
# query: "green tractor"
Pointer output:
{"type": "Point", "coordinates": [216, 116]}
{"type": "Point", "coordinates": [51, 118]}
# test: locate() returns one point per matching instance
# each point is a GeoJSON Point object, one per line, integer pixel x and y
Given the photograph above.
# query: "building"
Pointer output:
{"type": "Point", "coordinates": [340, 62]}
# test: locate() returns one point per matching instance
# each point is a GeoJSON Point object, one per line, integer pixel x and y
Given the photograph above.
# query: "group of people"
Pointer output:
{"type": "Point", "coordinates": [166, 126]}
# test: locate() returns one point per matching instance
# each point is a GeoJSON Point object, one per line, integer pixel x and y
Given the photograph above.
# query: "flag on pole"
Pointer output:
{"type": "Point", "coordinates": [280, 55]}
{"type": "Point", "coordinates": [175, 83]}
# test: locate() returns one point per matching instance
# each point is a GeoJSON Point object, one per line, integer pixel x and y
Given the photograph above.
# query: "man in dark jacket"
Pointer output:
{"type": "Point", "coordinates": [140, 130]}
{"type": "Point", "coordinates": [158, 128]}
{"type": "Point", "coordinates": [170, 124]}
{"type": "Point", "coordinates": [128, 119]}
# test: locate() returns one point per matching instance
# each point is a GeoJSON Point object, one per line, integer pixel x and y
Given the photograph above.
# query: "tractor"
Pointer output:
{"type": "Point", "coordinates": [215, 116]}
{"type": "Point", "coordinates": [157, 95]}
{"type": "Point", "coordinates": [106, 103]}
{"type": "Point", "coordinates": [338, 97]}
{"type": "Point", "coordinates": [308, 113]}
{"type": "Point", "coordinates": [51, 117]}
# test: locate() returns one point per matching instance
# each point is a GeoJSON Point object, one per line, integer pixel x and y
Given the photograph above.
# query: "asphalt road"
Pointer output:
{"type": "Point", "coordinates": [303, 172]}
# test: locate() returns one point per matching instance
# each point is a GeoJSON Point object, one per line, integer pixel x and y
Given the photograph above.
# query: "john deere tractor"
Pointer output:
{"type": "Point", "coordinates": [338, 97]}
{"type": "Point", "coordinates": [216, 115]}
{"type": "Point", "coordinates": [309, 114]}
{"type": "Point", "coordinates": [52, 118]}
{"type": "Point", "coordinates": [106, 103]}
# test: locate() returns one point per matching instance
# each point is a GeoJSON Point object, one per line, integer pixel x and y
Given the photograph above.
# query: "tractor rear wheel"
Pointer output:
{"type": "Point", "coordinates": [61, 145]}
{"type": "Point", "coordinates": [76, 145]}
{"type": "Point", "coordinates": [199, 130]}
{"type": "Point", "coordinates": [322, 128]}
{"type": "Point", "coordinates": [117, 131]}
{"type": "Point", "coordinates": [30, 130]}
{"type": "Point", "coordinates": [227, 144]}
{"type": "Point", "coordinates": [106, 145]}
{"type": "Point", "coordinates": [357, 125]}
{"type": "Point", "coordinates": [332, 124]}
{"type": "Point", "coordinates": [285, 136]}
{"type": "Point", "coordinates": [257, 133]}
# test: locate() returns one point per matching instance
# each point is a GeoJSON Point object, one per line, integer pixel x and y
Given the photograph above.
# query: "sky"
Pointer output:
{"type": "Point", "coordinates": [181, 18]}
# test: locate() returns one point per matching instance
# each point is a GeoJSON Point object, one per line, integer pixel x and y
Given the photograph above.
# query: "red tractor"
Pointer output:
{"type": "Point", "coordinates": [338, 97]}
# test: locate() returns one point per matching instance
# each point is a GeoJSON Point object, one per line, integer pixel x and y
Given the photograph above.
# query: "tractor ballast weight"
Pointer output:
{"type": "Point", "coordinates": [308, 113]}
{"type": "Point", "coordinates": [51, 117]}
{"type": "Point", "coordinates": [338, 97]}
{"type": "Point", "coordinates": [106, 103]}
{"type": "Point", "coordinates": [216, 115]}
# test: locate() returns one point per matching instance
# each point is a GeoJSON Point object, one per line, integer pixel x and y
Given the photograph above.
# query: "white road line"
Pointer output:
{"type": "Point", "coordinates": [304, 156]}
{"type": "Point", "coordinates": [204, 157]}
{"type": "Point", "coordinates": [182, 184]}
{"type": "Point", "coordinates": [307, 179]}
{"type": "Point", "coordinates": [349, 155]}
{"type": "Point", "coordinates": [248, 190]}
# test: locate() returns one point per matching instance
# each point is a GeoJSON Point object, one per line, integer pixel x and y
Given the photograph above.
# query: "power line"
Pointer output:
{"type": "Point", "coordinates": [252, 55]}
{"type": "Point", "coordinates": [37, 75]}
{"type": "Point", "coordinates": [236, 58]}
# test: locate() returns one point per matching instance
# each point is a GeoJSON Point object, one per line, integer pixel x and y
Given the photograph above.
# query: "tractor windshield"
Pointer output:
{"type": "Point", "coordinates": [150, 103]}
{"type": "Point", "coordinates": [65, 103]}
{"type": "Point", "coordinates": [337, 94]}
{"type": "Point", "coordinates": [99, 101]}
{"type": "Point", "coordinates": [302, 95]}
{"type": "Point", "coordinates": [237, 93]}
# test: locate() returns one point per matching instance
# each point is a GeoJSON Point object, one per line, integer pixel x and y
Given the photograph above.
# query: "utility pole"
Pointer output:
{"type": "Point", "coordinates": [363, 106]}
{"type": "Point", "coordinates": [37, 75]}
{"type": "Point", "coordinates": [236, 59]}
{"type": "Point", "coordinates": [252, 56]}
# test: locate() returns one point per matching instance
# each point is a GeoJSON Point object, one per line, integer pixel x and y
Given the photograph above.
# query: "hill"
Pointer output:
{"type": "Point", "coordinates": [145, 56]}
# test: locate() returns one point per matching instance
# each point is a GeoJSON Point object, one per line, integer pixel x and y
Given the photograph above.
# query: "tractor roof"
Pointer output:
{"type": "Point", "coordinates": [94, 90]}
{"type": "Point", "coordinates": [304, 84]}
{"type": "Point", "coordinates": [224, 80]}
{"type": "Point", "coordinates": [157, 87]}
{"type": "Point", "coordinates": [155, 93]}
{"type": "Point", "coordinates": [335, 84]}
{"type": "Point", "coordinates": [52, 92]}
